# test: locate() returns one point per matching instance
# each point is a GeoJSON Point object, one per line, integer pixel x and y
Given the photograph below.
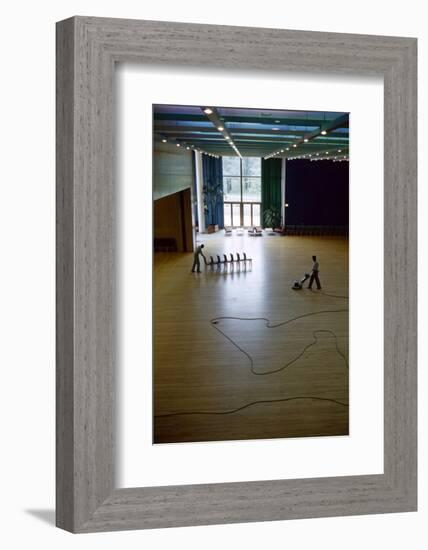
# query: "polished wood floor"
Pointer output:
{"type": "Point", "coordinates": [264, 375]}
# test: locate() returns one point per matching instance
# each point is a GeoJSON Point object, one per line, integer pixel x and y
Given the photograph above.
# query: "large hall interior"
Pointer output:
{"type": "Point", "coordinates": [244, 349]}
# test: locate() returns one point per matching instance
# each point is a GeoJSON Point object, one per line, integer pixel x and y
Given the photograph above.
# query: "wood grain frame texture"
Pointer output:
{"type": "Point", "coordinates": [87, 50]}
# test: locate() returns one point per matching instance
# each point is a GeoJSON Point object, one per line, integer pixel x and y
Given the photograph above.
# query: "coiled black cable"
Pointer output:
{"type": "Point", "coordinates": [268, 324]}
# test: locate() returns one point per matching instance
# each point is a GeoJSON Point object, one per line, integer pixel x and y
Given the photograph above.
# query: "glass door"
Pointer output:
{"type": "Point", "coordinates": [236, 215]}
{"type": "Point", "coordinates": [242, 188]}
{"type": "Point", "coordinates": [251, 214]}
{"type": "Point", "coordinates": [242, 214]}
{"type": "Point", "coordinates": [247, 215]}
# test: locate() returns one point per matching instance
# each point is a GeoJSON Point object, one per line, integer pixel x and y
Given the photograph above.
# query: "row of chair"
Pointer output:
{"type": "Point", "coordinates": [255, 231]}
{"type": "Point", "coordinates": [341, 230]}
{"type": "Point", "coordinates": [252, 231]}
{"type": "Point", "coordinates": [238, 260]}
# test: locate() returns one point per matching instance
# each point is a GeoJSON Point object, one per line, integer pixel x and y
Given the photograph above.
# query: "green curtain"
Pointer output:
{"type": "Point", "coordinates": [271, 185]}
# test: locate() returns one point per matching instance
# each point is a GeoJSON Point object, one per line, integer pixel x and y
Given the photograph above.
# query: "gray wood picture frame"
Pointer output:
{"type": "Point", "coordinates": [87, 50]}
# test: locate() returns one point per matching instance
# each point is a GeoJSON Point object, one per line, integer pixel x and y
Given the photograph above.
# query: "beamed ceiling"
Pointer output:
{"type": "Point", "coordinates": [227, 131]}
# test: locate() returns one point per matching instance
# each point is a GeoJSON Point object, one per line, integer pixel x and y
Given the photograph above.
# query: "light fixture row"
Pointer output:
{"type": "Point", "coordinates": [215, 120]}
{"type": "Point", "coordinates": [309, 155]}
{"type": "Point", "coordinates": [191, 147]}
{"type": "Point", "coordinates": [299, 142]}
{"type": "Point", "coordinates": [331, 158]}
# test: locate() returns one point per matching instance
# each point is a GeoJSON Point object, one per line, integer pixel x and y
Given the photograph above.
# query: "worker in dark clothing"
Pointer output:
{"type": "Point", "coordinates": [314, 274]}
{"type": "Point", "coordinates": [196, 262]}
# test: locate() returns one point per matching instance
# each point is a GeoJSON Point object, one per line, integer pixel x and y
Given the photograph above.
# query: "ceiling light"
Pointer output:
{"type": "Point", "coordinates": [323, 132]}
{"type": "Point", "coordinates": [220, 128]}
{"type": "Point", "coordinates": [187, 148]}
{"type": "Point", "coordinates": [282, 150]}
{"type": "Point", "coordinates": [306, 140]}
{"type": "Point", "coordinates": [178, 145]}
{"type": "Point", "coordinates": [286, 204]}
{"type": "Point", "coordinates": [287, 148]}
{"type": "Point", "coordinates": [208, 111]}
{"type": "Point", "coordinates": [275, 128]}
{"type": "Point", "coordinates": [164, 141]}
{"type": "Point", "coordinates": [294, 145]}
{"type": "Point", "coordinates": [326, 152]}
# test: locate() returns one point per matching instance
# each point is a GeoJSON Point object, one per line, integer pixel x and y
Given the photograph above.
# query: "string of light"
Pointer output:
{"type": "Point", "coordinates": [306, 139]}
{"type": "Point", "coordinates": [188, 146]}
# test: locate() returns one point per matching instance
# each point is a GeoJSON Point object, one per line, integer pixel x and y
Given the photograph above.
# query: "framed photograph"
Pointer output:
{"type": "Point", "coordinates": [236, 274]}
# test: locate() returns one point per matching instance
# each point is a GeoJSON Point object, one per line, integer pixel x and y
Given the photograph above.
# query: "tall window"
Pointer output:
{"type": "Point", "coordinates": [242, 187]}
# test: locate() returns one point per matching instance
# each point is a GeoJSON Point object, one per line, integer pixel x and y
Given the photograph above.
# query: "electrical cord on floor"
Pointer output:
{"type": "Point", "coordinates": [332, 295]}
{"type": "Point", "coordinates": [214, 323]}
{"type": "Point", "coordinates": [264, 401]}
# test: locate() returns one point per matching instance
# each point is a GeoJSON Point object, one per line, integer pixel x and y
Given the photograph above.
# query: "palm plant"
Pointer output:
{"type": "Point", "coordinates": [272, 217]}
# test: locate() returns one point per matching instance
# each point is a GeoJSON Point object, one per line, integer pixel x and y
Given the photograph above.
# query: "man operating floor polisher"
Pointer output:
{"type": "Point", "coordinates": [298, 285]}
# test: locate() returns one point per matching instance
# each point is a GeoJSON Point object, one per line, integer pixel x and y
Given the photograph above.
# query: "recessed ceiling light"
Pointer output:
{"type": "Point", "coordinates": [287, 148]}
{"type": "Point", "coordinates": [208, 111]}
{"type": "Point", "coordinates": [187, 148]}
{"type": "Point", "coordinates": [164, 141]}
{"type": "Point", "coordinates": [178, 145]}
{"type": "Point", "coordinates": [339, 150]}
{"type": "Point", "coordinates": [326, 152]}
{"type": "Point", "coordinates": [277, 121]}
{"type": "Point", "coordinates": [294, 145]}
{"type": "Point", "coordinates": [220, 128]}
{"type": "Point", "coordinates": [274, 128]}
{"type": "Point", "coordinates": [282, 150]}
{"type": "Point", "coordinates": [323, 132]}
{"type": "Point", "coordinates": [306, 140]}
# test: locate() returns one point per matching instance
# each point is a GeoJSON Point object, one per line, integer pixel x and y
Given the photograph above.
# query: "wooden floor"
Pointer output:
{"type": "Point", "coordinates": [207, 367]}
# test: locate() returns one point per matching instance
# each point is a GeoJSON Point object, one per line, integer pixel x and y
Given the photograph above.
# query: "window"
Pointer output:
{"type": "Point", "coordinates": [242, 187]}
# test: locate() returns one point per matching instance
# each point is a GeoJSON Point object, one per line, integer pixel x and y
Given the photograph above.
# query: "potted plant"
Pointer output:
{"type": "Point", "coordinates": [213, 193]}
{"type": "Point", "coordinates": [272, 217]}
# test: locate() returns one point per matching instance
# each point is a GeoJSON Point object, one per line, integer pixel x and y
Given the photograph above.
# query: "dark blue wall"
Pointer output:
{"type": "Point", "coordinates": [317, 192]}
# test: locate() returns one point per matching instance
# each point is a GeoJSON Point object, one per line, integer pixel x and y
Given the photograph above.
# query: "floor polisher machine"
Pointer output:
{"type": "Point", "coordinates": [298, 285]}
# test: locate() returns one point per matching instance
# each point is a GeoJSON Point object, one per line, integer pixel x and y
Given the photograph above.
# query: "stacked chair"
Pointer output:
{"type": "Point", "coordinates": [233, 261]}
